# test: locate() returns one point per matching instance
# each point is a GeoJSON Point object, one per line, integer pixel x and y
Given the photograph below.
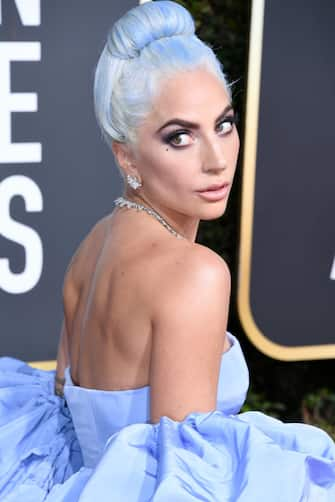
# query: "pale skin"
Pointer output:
{"type": "Point", "coordinates": [142, 307]}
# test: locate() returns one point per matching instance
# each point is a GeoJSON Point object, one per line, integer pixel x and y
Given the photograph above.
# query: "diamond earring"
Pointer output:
{"type": "Point", "coordinates": [133, 182]}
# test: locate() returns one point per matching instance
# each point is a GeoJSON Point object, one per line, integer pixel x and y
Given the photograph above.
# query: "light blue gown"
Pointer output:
{"type": "Point", "coordinates": [98, 446]}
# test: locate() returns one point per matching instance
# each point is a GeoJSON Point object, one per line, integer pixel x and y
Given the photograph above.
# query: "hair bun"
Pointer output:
{"type": "Point", "coordinates": [147, 23]}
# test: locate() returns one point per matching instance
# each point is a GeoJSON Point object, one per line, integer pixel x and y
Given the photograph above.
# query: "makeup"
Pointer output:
{"type": "Point", "coordinates": [215, 195]}
{"type": "Point", "coordinates": [173, 135]}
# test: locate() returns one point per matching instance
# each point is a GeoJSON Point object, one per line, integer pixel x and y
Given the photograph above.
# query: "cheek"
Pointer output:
{"type": "Point", "coordinates": [237, 142]}
{"type": "Point", "coordinates": [174, 164]}
{"type": "Point", "coordinates": [158, 167]}
{"type": "Point", "coordinates": [150, 162]}
{"type": "Point", "coordinates": [234, 147]}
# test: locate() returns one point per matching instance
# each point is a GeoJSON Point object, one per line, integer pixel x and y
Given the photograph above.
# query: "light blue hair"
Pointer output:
{"type": "Point", "coordinates": [151, 42]}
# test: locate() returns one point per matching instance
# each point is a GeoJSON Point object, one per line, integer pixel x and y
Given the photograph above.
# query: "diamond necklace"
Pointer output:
{"type": "Point", "coordinates": [122, 201]}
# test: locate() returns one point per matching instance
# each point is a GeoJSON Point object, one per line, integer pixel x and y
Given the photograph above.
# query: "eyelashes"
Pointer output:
{"type": "Point", "coordinates": [173, 137]}
{"type": "Point", "coordinates": [231, 119]}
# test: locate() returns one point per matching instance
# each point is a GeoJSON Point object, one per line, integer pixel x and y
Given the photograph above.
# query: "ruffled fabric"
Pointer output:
{"type": "Point", "coordinates": [214, 458]}
{"type": "Point", "coordinates": [208, 457]}
{"type": "Point", "coordinates": [38, 444]}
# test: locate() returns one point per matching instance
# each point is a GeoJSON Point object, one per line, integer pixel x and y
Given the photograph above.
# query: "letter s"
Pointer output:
{"type": "Point", "coordinates": [10, 282]}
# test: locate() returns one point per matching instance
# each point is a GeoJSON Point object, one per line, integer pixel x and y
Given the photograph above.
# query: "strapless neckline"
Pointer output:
{"type": "Point", "coordinates": [97, 414]}
{"type": "Point", "coordinates": [70, 381]}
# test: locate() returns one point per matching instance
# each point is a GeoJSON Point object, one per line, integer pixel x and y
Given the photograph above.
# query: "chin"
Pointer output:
{"type": "Point", "coordinates": [213, 210]}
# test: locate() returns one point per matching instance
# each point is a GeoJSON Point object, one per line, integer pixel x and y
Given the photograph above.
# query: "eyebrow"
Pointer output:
{"type": "Point", "coordinates": [194, 125]}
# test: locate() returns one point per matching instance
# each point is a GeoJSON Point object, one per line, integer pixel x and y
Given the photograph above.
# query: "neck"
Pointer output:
{"type": "Point", "coordinates": [185, 225]}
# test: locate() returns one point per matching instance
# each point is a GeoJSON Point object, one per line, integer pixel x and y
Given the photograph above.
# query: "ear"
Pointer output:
{"type": "Point", "coordinates": [124, 157]}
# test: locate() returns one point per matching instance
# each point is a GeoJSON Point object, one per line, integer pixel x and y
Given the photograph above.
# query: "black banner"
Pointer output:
{"type": "Point", "coordinates": [286, 292]}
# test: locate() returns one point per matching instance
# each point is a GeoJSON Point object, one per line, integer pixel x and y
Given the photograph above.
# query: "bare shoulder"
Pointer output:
{"type": "Point", "coordinates": [80, 259]}
{"type": "Point", "coordinates": [192, 267]}
{"type": "Point", "coordinates": [209, 262]}
{"type": "Point", "coordinates": [189, 329]}
{"type": "Point", "coordinates": [94, 235]}
{"type": "Point", "coordinates": [193, 276]}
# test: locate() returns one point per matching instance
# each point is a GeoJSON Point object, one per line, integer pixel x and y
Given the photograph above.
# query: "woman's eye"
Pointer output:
{"type": "Point", "coordinates": [184, 138]}
{"type": "Point", "coordinates": [179, 139]}
{"type": "Point", "coordinates": [225, 126]}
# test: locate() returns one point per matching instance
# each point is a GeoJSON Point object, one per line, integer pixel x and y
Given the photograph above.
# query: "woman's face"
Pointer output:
{"type": "Point", "coordinates": [187, 143]}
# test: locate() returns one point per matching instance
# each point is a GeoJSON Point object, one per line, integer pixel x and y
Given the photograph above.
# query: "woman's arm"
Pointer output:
{"type": "Point", "coordinates": [70, 298]}
{"type": "Point", "coordinates": [62, 360]}
{"type": "Point", "coordinates": [189, 331]}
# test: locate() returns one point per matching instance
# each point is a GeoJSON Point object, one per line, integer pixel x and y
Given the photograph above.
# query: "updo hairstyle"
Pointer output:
{"type": "Point", "coordinates": [149, 43]}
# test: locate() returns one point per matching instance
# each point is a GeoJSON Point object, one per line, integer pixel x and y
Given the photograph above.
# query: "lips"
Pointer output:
{"type": "Point", "coordinates": [214, 187]}
{"type": "Point", "coordinates": [213, 194]}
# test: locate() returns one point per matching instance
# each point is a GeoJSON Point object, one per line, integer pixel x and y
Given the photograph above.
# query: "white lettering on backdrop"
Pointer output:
{"type": "Point", "coordinates": [22, 234]}
{"type": "Point", "coordinates": [16, 102]}
{"type": "Point", "coordinates": [19, 153]}
{"type": "Point", "coordinates": [332, 272]}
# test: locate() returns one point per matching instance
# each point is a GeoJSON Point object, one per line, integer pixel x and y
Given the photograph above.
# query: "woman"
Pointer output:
{"type": "Point", "coordinates": [149, 383]}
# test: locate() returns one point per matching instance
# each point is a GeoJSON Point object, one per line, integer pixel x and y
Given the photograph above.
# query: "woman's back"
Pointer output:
{"type": "Point", "coordinates": [102, 300]}
{"type": "Point", "coordinates": [112, 291]}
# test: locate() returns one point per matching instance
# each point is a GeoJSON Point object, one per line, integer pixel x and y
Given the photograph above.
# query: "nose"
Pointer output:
{"type": "Point", "coordinates": [213, 155]}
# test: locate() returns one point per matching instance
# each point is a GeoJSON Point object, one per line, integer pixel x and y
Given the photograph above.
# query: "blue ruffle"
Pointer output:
{"type": "Point", "coordinates": [213, 457]}
{"type": "Point", "coordinates": [208, 457]}
{"type": "Point", "coordinates": [38, 444]}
